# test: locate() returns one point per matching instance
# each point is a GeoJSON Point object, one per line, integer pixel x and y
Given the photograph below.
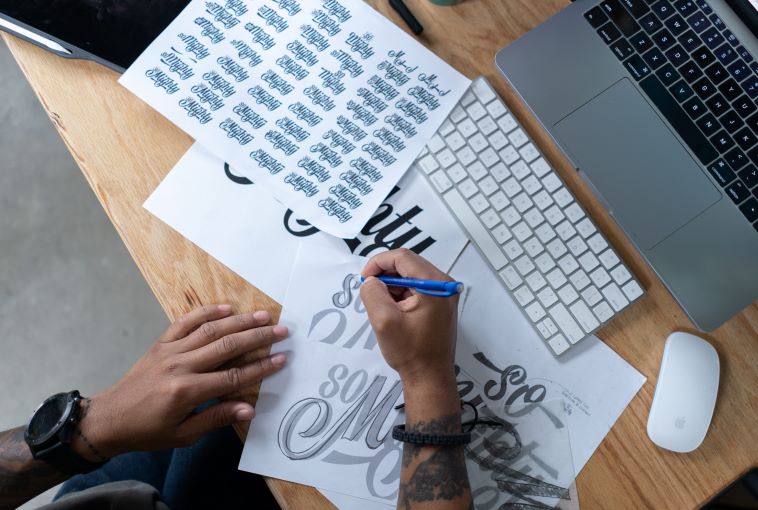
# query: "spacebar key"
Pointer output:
{"type": "Point", "coordinates": [680, 121]}
{"type": "Point", "coordinates": [475, 229]}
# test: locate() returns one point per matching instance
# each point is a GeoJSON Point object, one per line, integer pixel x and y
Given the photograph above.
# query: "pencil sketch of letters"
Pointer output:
{"type": "Point", "coordinates": [312, 427]}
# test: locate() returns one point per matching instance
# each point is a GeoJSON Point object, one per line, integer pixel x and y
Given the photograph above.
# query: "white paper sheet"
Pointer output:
{"type": "Point", "coordinates": [326, 103]}
{"type": "Point", "coordinates": [500, 349]}
{"type": "Point", "coordinates": [335, 354]}
{"type": "Point", "coordinates": [244, 228]}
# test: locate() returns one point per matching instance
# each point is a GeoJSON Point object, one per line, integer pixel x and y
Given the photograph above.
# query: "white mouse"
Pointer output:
{"type": "Point", "coordinates": [685, 394]}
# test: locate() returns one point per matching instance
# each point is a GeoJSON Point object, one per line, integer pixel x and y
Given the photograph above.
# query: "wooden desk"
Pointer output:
{"type": "Point", "coordinates": [124, 150]}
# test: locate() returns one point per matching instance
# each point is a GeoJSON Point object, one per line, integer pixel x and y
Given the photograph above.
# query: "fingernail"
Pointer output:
{"type": "Point", "coordinates": [261, 316]}
{"type": "Point", "coordinates": [245, 414]}
{"type": "Point", "coordinates": [278, 359]}
{"type": "Point", "coordinates": [281, 330]}
{"type": "Point", "coordinates": [224, 308]}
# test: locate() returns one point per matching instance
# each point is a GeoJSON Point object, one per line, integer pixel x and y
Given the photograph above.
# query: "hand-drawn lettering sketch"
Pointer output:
{"type": "Point", "coordinates": [333, 92]}
{"type": "Point", "coordinates": [237, 222]}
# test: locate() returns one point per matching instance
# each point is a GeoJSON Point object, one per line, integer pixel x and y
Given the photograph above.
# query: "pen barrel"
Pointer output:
{"type": "Point", "coordinates": [407, 16]}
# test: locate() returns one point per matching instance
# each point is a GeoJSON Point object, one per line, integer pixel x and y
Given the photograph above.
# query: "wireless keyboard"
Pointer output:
{"type": "Point", "coordinates": [537, 239]}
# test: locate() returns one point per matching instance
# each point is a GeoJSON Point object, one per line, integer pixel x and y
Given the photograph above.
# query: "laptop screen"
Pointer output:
{"type": "Point", "coordinates": [117, 31]}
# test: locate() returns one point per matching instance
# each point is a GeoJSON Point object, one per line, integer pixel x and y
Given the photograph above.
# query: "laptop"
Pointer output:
{"type": "Point", "coordinates": [111, 32]}
{"type": "Point", "coordinates": [654, 104]}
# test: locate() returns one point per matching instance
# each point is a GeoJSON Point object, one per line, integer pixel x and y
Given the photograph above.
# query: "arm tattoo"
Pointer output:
{"type": "Point", "coordinates": [441, 475]}
{"type": "Point", "coordinates": [22, 477]}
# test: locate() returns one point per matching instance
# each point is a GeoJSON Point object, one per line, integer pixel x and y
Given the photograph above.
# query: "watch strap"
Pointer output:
{"type": "Point", "coordinates": [400, 434]}
{"type": "Point", "coordinates": [64, 459]}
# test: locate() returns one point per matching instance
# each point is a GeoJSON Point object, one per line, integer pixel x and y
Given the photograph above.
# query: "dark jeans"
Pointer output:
{"type": "Point", "coordinates": [202, 476]}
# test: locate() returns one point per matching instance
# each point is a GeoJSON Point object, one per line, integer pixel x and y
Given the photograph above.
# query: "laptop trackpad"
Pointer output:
{"type": "Point", "coordinates": [650, 182]}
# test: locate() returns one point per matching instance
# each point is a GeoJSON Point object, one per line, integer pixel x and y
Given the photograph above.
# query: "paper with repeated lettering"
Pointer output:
{"type": "Point", "coordinates": [324, 420]}
{"type": "Point", "coordinates": [244, 228]}
{"type": "Point", "coordinates": [325, 102]}
{"type": "Point", "coordinates": [502, 352]}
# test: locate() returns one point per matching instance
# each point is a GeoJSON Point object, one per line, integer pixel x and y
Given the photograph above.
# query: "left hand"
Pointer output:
{"type": "Point", "coordinates": [152, 406]}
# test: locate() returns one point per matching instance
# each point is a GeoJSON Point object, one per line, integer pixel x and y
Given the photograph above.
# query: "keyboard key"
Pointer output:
{"type": "Point", "coordinates": [622, 49]}
{"type": "Point", "coordinates": [750, 210]}
{"type": "Point", "coordinates": [695, 108]}
{"type": "Point", "coordinates": [597, 243]}
{"type": "Point", "coordinates": [690, 71]}
{"type": "Point", "coordinates": [663, 9]}
{"type": "Point", "coordinates": [704, 88]}
{"type": "Point", "coordinates": [620, 17]}
{"type": "Point", "coordinates": [540, 167]}
{"type": "Point", "coordinates": [650, 23]}
{"type": "Point", "coordinates": [577, 246]}
{"type": "Point", "coordinates": [468, 188]}
{"type": "Point", "coordinates": [535, 311]}
{"type": "Point", "coordinates": [455, 140]}
{"type": "Point", "coordinates": [744, 54]}
{"type": "Point", "coordinates": [544, 262]}
{"type": "Point", "coordinates": [739, 70]}
{"type": "Point", "coordinates": [663, 39]}
{"type": "Point", "coordinates": [736, 159]}
{"type": "Point", "coordinates": [501, 234]}
{"type": "Point", "coordinates": [725, 54]}
{"type": "Point", "coordinates": [513, 249]}
{"type": "Point", "coordinates": [703, 4]}
{"type": "Point", "coordinates": [679, 119]}
{"type": "Point", "coordinates": [523, 295]}
{"type": "Point", "coordinates": [699, 22]}
{"type": "Point", "coordinates": [677, 55]}
{"type": "Point", "coordinates": [745, 138]}
{"type": "Point", "coordinates": [717, 105]}
{"type": "Point", "coordinates": [588, 261]}
{"type": "Point", "coordinates": [711, 37]}
{"type": "Point", "coordinates": [730, 89]}
{"type": "Point", "coordinates": [750, 86]}
{"type": "Point", "coordinates": [558, 344]}
{"type": "Point", "coordinates": [552, 183]}
{"type": "Point", "coordinates": [600, 277]}
{"type": "Point", "coordinates": [685, 7]}
{"type": "Point", "coordinates": [749, 176]}
{"type": "Point", "coordinates": [568, 294]}
{"type": "Point", "coordinates": [730, 37]}
{"type": "Point", "coordinates": [641, 42]}
{"type": "Point", "coordinates": [609, 259]}
{"type": "Point", "coordinates": [752, 122]}
{"type": "Point", "coordinates": [556, 278]}
{"type": "Point", "coordinates": [586, 228]}
{"type": "Point", "coordinates": [708, 124]}
{"type": "Point", "coordinates": [717, 22]}
{"type": "Point", "coordinates": [584, 316]}
{"type": "Point", "coordinates": [681, 91]}
{"type": "Point", "coordinates": [716, 73]}
{"type": "Point", "coordinates": [524, 265]}
{"type": "Point", "coordinates": [603, 311]}
{"type": "Point", "coordinates": [744, 106]}
{"type": "Point", "coordinates": [738, 192]}
{"type": "Point", "coordinates": [533, 247]}
{"type": "Point", "coordinates": [654, 58]}
{"type": "Point", "coordinates": [732, 122]}
{"type": "Point", "coordinates": [638, 8]}
{"type": "Point", "coordinates": [574, 212]}
{"type": "Point", "coordinates": [722, 141]}
{"type": "Point", "coordinates": [703, 57]}
{"type": "Point", "coordinates": [676, 25]}
{"type": "Point", "coordinates": [510, 277]}
{"type": "Point", "coordinates": [490, 218]}
{"type": "Point", "coordinates": [721, 172]}
{"type": "Point", "coordinates": [535, 281]}
{"type": "Point", "coordinates": [566, 323]}
{"type": "Point", "coordinates": [579, 280]}
{"type": "Point", "coordinates": [596, 16]}
{"type": "Point", "coordinates": [620, 274]}
{"type": "Point", "coordinates": [441, 181]}
{"type": "Point", "coordinates": [507, 123]}
{"type": "Point", "coordinates": [428, 164]}
{"type": "Point", "coordinates": [547, 297]}
{"type": "Point", "coordinates": [632, 290]}
{"type": "Point", "coordinates": [568, 264]}
{"type": "Point", "coordinates": [478, 203]}
{"type": "Point", "coordinates": [689, 40]}
{"type": "Point", "coordinates": [591, 295]}
{"type": "Point", "coordinates": [457, 173]}
{"type": "Point", "coordinates": [615, 297]}
{"type": "Point", "coordinates": [668, 75]}
{"type": "Point", "coordinates": [545, 232]}
{"type": "Point", "coordinates": [475, 229]}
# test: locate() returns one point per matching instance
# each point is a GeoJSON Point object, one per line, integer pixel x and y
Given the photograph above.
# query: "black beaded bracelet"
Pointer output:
{"type": "Point", "coordinates": [400, 434]}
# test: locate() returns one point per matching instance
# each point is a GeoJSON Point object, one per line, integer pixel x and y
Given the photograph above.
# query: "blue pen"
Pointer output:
{"type": "Point", "coordinates": [428, 287]}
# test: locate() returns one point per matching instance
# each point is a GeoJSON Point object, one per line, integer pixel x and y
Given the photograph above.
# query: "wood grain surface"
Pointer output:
{"type": "Point", "coordinates": [124, 150]}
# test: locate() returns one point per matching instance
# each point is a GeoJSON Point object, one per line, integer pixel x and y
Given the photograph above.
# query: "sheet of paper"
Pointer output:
{"type": "Point", "coordinates": [244, 228]}
{"type": "Point", "coordinates": [504, 354]}
{"type": "Point", "coordinates": [326, 103]}
{"type": "Point", "coordinates": [325, 420]}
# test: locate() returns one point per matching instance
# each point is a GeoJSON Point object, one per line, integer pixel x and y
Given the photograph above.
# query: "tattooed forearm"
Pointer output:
{"type": "Point", "coordinates": [21, 477]}
{"type": "Point", "coordinates": [434, 477]}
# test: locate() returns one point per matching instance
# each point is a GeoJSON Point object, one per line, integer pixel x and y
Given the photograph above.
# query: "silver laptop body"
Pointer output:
{"type": "Point", "coordinates": [650, 180]}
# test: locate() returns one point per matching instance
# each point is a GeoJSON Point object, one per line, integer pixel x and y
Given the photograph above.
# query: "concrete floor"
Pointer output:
{"type": "Point", "coordinates": [75, 313]}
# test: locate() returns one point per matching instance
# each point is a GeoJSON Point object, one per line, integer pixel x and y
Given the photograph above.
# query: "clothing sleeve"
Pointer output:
{"type": "Point", "coordinates": [128, 494]}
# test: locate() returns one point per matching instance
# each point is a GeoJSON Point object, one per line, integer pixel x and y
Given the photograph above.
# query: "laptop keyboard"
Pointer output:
{"type": "Point", "coordinates": [699, 76]}
{"type": "Point", "coordinates": [537, 239]}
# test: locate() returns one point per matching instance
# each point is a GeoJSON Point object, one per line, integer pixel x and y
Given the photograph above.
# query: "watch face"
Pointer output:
{"type": "Point", "coordinates": [47, 418]}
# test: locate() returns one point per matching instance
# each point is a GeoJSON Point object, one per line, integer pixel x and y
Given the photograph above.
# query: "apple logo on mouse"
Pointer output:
{"type": "Point", "coordinates": [680, 422]}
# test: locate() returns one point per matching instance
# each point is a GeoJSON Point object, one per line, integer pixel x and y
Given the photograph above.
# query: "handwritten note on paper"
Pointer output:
{"type": "Point", "coordinates": [502, 352]}
{"type": "Point", "coordinates": [326, 103]}
{"type": "Point", "coordinates": [243, 227]}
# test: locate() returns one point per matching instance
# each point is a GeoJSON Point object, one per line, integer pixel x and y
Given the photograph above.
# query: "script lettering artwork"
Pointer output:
{"type": "Point", "coordinates": [313, 428]}
{"type": "Point", "coordinates": [497, 447]}
{"type": "Point", "coordinates": [331, 91]}
{"type": "Point", "coordinates": [387, 229]}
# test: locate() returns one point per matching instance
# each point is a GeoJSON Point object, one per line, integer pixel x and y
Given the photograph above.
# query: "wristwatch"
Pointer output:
{"type": "Point", "coordinates": [50, 431]}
